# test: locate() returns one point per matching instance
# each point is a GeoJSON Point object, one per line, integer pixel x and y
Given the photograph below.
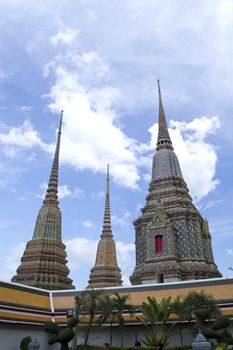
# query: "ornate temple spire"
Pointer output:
{"type": "Point", "coordinates": [51, 198]}
{"type": "Point", "coordinates": [43, 263]}
{"type": "Point", "coordinates": [106, 272]}
{"type": "Point", "coordinates": [172, 239]}
{"type": "Point", "coordinates": [163, 140]}
{"type": "Point", "coordinates": [107, 229]}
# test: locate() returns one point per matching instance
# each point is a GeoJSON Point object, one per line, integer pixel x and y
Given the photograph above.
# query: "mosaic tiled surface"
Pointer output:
{"type": "Point", "coordinates": [170, 212]}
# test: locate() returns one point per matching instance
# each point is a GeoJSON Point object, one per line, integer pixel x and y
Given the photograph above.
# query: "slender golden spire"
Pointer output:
{"type": "Point", "coordinates": [163, 140]}
{"type": "Point", "coordinates": [51, 198]}
{"type": "Point", "coordinates": [106, 272]}
{"type": "Point", "coordinates": [107, 228]}
{"type": "Point", "coordinates": [43, 263]}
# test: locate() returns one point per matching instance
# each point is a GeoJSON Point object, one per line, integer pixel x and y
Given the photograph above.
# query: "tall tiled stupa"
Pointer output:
{"type": "Point", "coordinates": [43, 264]}
{"type": "Point", "coordinates": [106, 272]}
{"type": "Point", "coordinates": [173, 241]}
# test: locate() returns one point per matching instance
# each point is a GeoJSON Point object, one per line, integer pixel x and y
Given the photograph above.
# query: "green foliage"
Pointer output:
{"type": "Point", "coordinates": [155, 316]}
{"type": "Point", "coordinates": [203, 308]}
{"type": "Point", "coordinates": [89, 303]}
{"type": "Point", "coordinates": [120, 304]}
{"type": "Point", "coordinates": [179, 347]}
{"type": "Point", "coordinates": [52, 340]}
{"type": "Point", "coordinates": [107, 306]}
{"type": "Point", "coordinates": [51, 327]}
{"type": "Point", "coordinates": [209, 333]}
{"type": "Point", "coordinates": [225, 336]}
{"type": "Point", "coordinates": [201, 314]}
{"type": "Point", "coordinates": [221, 322]}
{"type": "Point", "coordinates": [200, 306]}
{"type": "Point", "coordinates": [24, 343]}
{"type": "Point", "coordinates": [72, 322]}
{"type": "Point", "coordinates": [65, 335]}
{"type": "Point", "coordinates": [220, 346]}
{"type": "Point", "coordinates": [93, 303]}
{"type": "Point", "coordinates": [59, 335]}
{"type": "Point", "coordinates": [96, 347]}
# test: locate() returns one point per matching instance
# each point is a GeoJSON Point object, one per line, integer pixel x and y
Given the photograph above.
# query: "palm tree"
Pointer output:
{"type": "Point", "coordinates": [89, 303]}
{"type": "Point", "coordinates": [178, 309]}
{"type": "Point", "coordinates": [200, 307]}
{"type": "Point", "coordinates": [155, 316]}
{"type": "Point", "coordinates": [120, 304]}
{"type": "Point", "coordinates": [106, 307]}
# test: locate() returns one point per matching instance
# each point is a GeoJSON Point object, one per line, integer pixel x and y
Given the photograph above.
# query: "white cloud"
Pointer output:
{"type": "Point", "coordinates": [146, 177]}
{"type": "Point", "coordinates": [3, 75]}
{"type": "Point", "coordinates": [125, 259]}
{"type": "Point", "coordinates": [77, 249]}
{"type": "Point", "coordinates": [23, 136]}
{"type": "Point", "coordinates": [139, 206]}
{"type": "Point", "coordinates": [63, 192]}
{"type": "Point", "coordinates": [5, 224]}
{"type": "Point", "coordinates": [211, 204]}
{"type": "Point", "coordinates": [43, 187]}
{"type": "Point", "coordinates": [12, 262]}
{"type": "Point", "coordinates": [122, 221]}
{"type": "Point", "coordinates": [65, 37]}
{"type": "Point", "coordinates": [98, 195]}
{"type": "Point", "coordinates": [10, 151]}
{"type": "Point", "coordinates": [25, 109]}
{"type": "Point", "coordinates": [126, 281]}
{"type": "Point", "coordinates": [125, 253]}
{"type": "Point", "coordinates": [197, 157]}
{"type": "Point", "coordinates": [229, 251]}
{"type": "Point", "coordinates": [84, 148]}
{"type": "Point", "coordinates": [87, 224]}
{"type": "Point", "coordinates": [91, 137]}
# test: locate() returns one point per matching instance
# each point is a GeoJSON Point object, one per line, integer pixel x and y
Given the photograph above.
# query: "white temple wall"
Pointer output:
{"type": "Point", "coordinates": [11, 336]}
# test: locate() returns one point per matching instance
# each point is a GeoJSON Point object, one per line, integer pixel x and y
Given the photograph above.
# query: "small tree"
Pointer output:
{"type": "Point", "coordinates": [24, 343]}
{"type": "Point", "coordinates": [120, 304]}
{"type": "Point", "coordinates": [219, 330]}
{"type": "Point", "coordinates": [155, 316]}
{"type": "Point", "coordinates": [200, 307]}
{"type": "Point", "coordinates": [204, 309]}
{"type": "Point", "coordinates": [89, 303]}
{"type": "Point", "coordinates": [62, 336]}
{"type": "Point", "coordinates": [178, 309]}
{"type": "Point", "coordinates": [106, 309]}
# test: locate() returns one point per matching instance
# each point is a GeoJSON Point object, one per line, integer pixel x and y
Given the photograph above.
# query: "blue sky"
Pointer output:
{"type": "Point", "coordinates": [99, 61]}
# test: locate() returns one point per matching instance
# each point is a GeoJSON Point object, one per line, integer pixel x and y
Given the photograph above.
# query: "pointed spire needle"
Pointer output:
{"type": "Point", "coordinates": [51, 197]}
{"type": "Point", "coordinates": [163, 134]}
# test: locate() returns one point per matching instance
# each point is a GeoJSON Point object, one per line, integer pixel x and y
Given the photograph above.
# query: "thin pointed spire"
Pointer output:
{"type": "Point", "coordinates": [107, 229]}
{"type": "Point", "coordinates": [51, 198]}
{"type": "Point", "coordinates": [163, 140]}
{"type": "Point", "coordinates": [106, 272]}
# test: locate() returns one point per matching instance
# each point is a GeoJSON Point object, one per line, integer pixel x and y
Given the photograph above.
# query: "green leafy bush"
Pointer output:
{"type": "Point", "coordinates": [59, 335]}
{"type": "Point", "coordinates": [24, 343]}
{"type": "Point", "coordinates": [51, 327]}
{"type": "Point", "coordinates": [65, 335]}
{"type": "Point", "coordinates": [72, 322]}
{"type": "Point", "coordinates": [221, 322]}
